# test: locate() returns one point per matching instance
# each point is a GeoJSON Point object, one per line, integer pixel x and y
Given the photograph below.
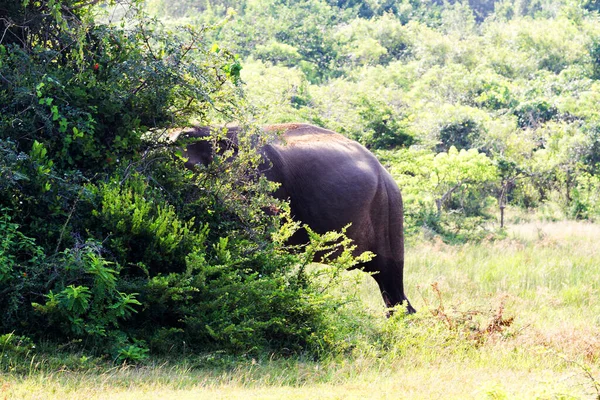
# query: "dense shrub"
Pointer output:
{"type": "Point", "coordinates": [106, 241]}
{"type": "Point", "coordinates": [462, 135]}
{"type": "Point", "coordinates": [371, 42]}
{"type": "Point", "coordinates": [383, 127]}
{"type": "Point", "coordinates": [532, 114]}
{"type": "Point", "coordinates": [450, 194]}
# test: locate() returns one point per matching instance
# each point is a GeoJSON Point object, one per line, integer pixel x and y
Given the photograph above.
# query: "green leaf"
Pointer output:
{"type": "Point", "coordinates": [62, 128]}
{"type": "Point", "coordinates": [55, 115]}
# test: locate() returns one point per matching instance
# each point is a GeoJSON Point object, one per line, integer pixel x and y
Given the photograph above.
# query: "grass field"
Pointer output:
{"type": "Point", "coordinates": [514, 318]}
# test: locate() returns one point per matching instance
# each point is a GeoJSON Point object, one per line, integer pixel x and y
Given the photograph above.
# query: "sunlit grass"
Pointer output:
{"type": "Point", "coordinates": [542, 281]}
{"type": "Point", "coordinates": [475, 377]}
{"type": "Point", "coordinates": [547, 273]}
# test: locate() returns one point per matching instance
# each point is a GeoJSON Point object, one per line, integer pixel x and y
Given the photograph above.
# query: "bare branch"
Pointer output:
{"type": "Point", "coordinates": [85, 4]}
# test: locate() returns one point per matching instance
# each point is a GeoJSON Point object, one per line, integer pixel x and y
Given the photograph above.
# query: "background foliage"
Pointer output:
{"type": "Point", "coordinates": [515, 81]}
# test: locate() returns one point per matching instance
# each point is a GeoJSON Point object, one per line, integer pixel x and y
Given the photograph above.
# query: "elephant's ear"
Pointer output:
{"type": "Point", "coordinates": [174, 135]}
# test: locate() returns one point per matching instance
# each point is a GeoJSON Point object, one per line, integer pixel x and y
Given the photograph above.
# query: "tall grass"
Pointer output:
{"type": "Point", "coordinates": [511, 318]}
{"type": "Point", "coordinates": [548, 273]}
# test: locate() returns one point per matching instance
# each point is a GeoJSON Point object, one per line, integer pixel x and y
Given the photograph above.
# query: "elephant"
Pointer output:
{"type": "Point", "coordinates": [330, 181]}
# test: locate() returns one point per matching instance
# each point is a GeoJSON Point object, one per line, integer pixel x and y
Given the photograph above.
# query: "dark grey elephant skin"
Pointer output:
{"type": "Point", "coordinates": [332, 181]}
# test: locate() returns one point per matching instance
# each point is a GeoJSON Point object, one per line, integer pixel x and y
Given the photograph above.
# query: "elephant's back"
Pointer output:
{"type": "Point", "coordinates": [330, 179]}
{"type": "Point", "coordinates": [309, 142]}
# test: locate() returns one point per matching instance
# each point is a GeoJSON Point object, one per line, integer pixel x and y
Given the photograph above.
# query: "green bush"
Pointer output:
{"type": "Point", "coordinates": [462, 135]}
{"type": "Point", "coordinates": [531, 114]}
{"type": "Point", "coordinates": [382, 126]}
{"type": "Point", "coordinates": [371, 42]}
{"type": "Point", "coordinates": [107, 243]}
{"type": "Point", "coordinates": [21, 262]}
{"type": "Point", "coordinates": [278, 53]}
{"type": "Point", "coordinates": [585, 200]}
{"type": "Point", "coordinates": [83, 299]}
{"type": "Point", "coordinates": [143, 229]}
{"type": "Point", "coordinates": [449, 194]}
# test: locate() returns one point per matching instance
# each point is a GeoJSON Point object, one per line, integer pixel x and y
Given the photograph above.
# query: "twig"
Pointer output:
{"type": "Point", "coordinates": [148, 43]}
{"type": "Point", "coordinates": [586, 371]}
{"type": "Point", "coordinates": [8, 25]}
{"type": "Point", "coordinates": [64, 228]}
{"type": "Point", "coordinates": [139, 87]}
{"type": "Point", "coordinates": [89, 3]}
{"type": "Point", "coordinates": [3, 77]}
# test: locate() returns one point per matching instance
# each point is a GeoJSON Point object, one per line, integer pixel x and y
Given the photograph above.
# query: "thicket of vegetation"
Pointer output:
{"type": "Point", "coordinates": [108, 244]}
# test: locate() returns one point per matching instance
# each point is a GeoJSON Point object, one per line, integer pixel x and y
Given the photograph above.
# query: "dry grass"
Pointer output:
{"type": "Point", "coordinates": [557, 232]}
{"type": "Point", "coordinates": [468, 379]}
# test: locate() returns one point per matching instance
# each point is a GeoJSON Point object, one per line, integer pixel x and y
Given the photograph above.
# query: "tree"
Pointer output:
{"type": "Point", "coordinates": [459, 169]}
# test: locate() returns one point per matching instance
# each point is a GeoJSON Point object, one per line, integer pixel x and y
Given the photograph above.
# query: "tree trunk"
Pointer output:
{"type": "Point", "coordinates": [502, 201]}
{"type": "Point", "coordinates": [439, 202]}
